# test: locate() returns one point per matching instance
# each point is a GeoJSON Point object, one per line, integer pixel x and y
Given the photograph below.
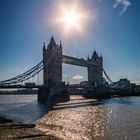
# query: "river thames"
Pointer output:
{"type": "Point", "coordinates": [78, 119]}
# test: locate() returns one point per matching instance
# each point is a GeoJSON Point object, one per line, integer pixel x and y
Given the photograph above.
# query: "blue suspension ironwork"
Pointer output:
{"type": "Point", "coordinates": [112, 84]}
{"type": "Point", "coordinates": [108, 78]}
{"type": "Point", "coordinates": [36, 69]}
{"type": "Point", "coordinates": [24, 76]}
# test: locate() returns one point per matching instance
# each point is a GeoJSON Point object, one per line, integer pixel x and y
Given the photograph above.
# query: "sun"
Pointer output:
{"type": "Point", "coordinates": [70, 17]}
{"type": "Point", "coordinates": [71, 20]}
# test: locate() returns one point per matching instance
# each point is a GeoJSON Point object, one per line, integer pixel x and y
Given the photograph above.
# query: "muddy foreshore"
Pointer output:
{"type": "Point", "coordinates": [10, 130]}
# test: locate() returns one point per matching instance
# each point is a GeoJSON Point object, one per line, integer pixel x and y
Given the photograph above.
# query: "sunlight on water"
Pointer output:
{"type": "Point", "coordinates": [88, 119]}
{"type": "Point", "coordinates": [78, 119]}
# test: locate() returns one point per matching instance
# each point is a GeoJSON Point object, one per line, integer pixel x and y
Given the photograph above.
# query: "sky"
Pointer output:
{"type": "Point", "coordinates": [112, 28]}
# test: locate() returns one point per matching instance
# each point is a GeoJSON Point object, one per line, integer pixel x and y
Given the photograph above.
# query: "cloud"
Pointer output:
{"type": "Point", "coordinates": [78, 77]}
{"type": "Point", "coordinates": [123, 3]}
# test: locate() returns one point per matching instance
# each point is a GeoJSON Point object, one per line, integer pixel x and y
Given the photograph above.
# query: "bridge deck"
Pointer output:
{"type": "Point", "coordinates": [22, 86]}
{"type": "Point", "coordinates": [76, 61]}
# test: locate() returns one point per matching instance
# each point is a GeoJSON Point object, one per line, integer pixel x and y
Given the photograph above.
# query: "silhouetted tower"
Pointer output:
{"type": "Point", "coordinates": [95, 71]}
{"type": "Point", "coordinates": [52, 58]}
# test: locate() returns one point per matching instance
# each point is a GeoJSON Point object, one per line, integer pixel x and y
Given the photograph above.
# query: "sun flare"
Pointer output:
{"type": "Point", "coordinates": [70, 17]}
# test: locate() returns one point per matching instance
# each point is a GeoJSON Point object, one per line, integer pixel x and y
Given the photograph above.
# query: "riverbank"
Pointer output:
{"type": "Point", "coordinates": [11, 130]}
{"type": "Point", "coordinates": [4, 120]}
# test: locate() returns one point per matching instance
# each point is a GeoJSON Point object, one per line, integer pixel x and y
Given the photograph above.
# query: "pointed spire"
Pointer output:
{"type": "Point", "coordinates": [101, 56]}
{"type": "Point", "coordinates": [44, 46]}
{"type": "Point", "coordinates": [60, 43]}
{"type": "Point", "coordinates": [52, 38]}
{"type": "Point", "coordinates": [52, 42]}
{"type": "Point", "coordinates": [94, 54]}
{"type": "Point", "coordinates": [87, 57]}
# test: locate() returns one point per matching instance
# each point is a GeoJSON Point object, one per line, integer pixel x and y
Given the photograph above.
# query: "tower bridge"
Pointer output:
{"type": "Point", "coordinates": [53, 72]}
{"type": "Point", "coordinates": [51, 65]}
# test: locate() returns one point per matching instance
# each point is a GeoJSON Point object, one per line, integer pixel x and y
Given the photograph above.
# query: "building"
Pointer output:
{"type": "Point", "coordinates": [95, 73]}
{"type": "Point", "coordinates": [123, 84]}
{"type": "Point", "coordinates": [53, 70]}
{"type": "Point", "coordinates": [53, 59]}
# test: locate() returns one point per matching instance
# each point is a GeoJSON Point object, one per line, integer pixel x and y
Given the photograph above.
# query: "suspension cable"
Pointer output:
{"type": "Point", "coordinates": [24, 76]}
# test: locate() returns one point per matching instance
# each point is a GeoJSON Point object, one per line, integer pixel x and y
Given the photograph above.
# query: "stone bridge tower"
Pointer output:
{"type": "Point", "coordinates": [52, 57]}
{"type": "Point", "coordinates": [95, 71]}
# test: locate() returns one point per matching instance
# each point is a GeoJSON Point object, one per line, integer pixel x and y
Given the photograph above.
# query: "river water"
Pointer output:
{"type": "Point", "coordinates": [78, 119]}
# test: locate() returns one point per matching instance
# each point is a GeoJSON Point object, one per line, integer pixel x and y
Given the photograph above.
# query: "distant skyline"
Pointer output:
{"type": "Point", "coordinates": [112, 29]}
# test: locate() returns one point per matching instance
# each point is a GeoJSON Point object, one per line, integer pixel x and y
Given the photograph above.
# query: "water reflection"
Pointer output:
{"type": "Point", "coordinates": [22, 108]}
{"type": "Point", "coordinates": [88, 119]}
{"type": "Point", "coordinates": [124, 100]}
{"type": "Point", "coordinates": [78, 119]}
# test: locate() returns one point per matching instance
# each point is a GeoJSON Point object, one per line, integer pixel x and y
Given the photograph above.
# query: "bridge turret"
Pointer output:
{"type": "Point", "coordinates": [95, 71]}
{"type": "Point", "coordinates": [53, 56]}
